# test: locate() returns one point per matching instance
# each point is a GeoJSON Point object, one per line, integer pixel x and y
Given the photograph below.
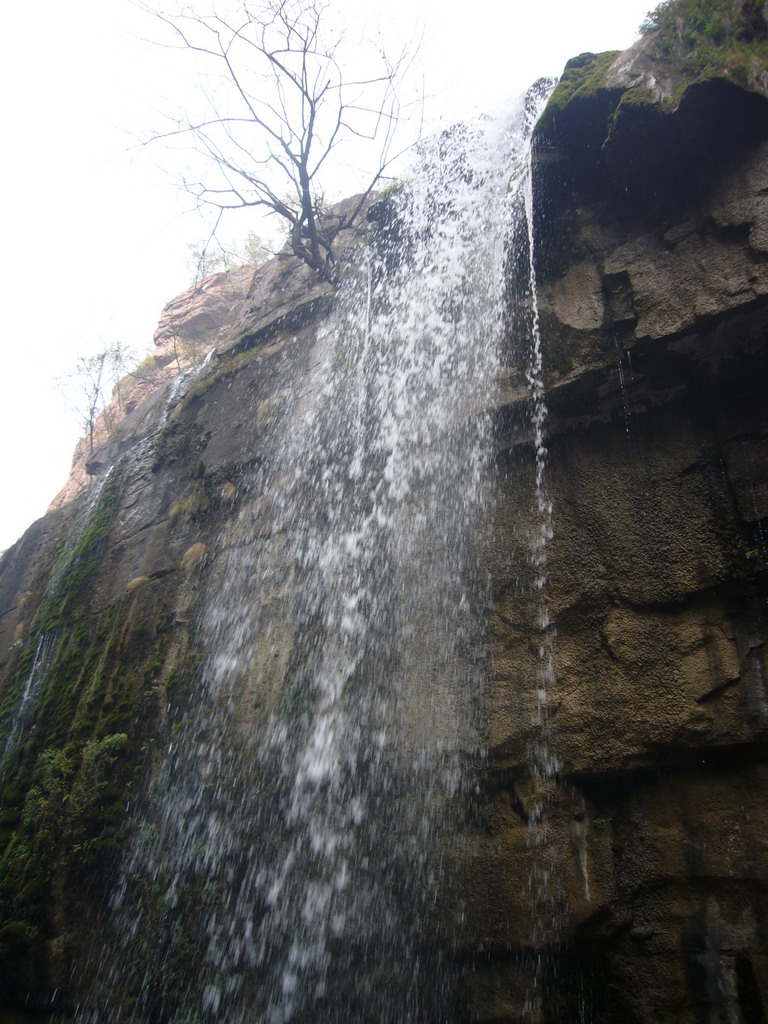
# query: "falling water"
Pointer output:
{"type": "Point", "coordinates": [47, 641]}
{"type": "Point", "coordinates": [178, 387]}
{"type": "Point", "coordinates": [542, 757]}
{"type": "Point", "coordinates": [546, 904]}
{"type": "Point", "coordinates": [294, 860]}
{"type": "Point", "coordinates": [30, 690]}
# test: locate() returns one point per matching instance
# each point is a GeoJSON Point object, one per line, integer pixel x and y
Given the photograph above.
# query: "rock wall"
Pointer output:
{"type": "Point", "coordinates": [630, 885]}
{"type": "Point", "coordinates": [99, 607]}
{"type": "Point", "coordinates": [653, 297]}
{"type": "Point", "coordinates": [190, 325]}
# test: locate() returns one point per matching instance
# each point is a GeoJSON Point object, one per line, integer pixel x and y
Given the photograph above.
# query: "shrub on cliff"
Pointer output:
{"type": "Point", "coordinates": [707, 27]}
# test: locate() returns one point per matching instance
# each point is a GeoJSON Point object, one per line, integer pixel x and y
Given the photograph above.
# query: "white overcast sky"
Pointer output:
{"type": "Point", "coordinates": [95, 231]}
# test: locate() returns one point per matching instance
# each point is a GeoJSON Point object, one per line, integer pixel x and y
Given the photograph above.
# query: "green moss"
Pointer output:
{"type": "Point", "coordinates": [680, 25]}
{"type": "Point", "coordinates": [87, 731]}
{"type": "Point", "coordinates": [180, 440]}
{"type": "Point", "coordinates": [165, 950]}
{"type": "Point", "coordinates": [694, 40]}
{"type": "Point", "coordinates": [61, 621]}
{"type": "Point", "coordinates": [657, 138]}
{"type": "Point", "coordinates": [62, 810]}
{"type": "Point", "coordinates": [181, 684]}
{"type": "Point", "coordinates": [702, 39]}
{"type": "Point", "coordinates": [67, 823]}
{"type": "Point", "coordinates": [582, 79]}
{"type": "Point", "coordinates": [74, 572]}
{"type": "Point", "coordinates": [395, 187]}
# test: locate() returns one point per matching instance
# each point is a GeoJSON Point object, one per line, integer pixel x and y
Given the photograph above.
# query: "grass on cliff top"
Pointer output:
{"type": "Point", "coordinates": [582, 78]}
{"type": "Point", "coordinates": [696, 39]}
{"type": "Point", "coordinates": [704, 36]}
{"type": "Point", "coordinates": [719, 22]}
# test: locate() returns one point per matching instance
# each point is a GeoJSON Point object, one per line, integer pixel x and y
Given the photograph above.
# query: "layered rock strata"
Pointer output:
{"type": "Point", "coordinates": [652, 276]}
{"type": "Point", "coordinates": [628, 883]}
{"type": "Point", "coordinates": [190, 326]}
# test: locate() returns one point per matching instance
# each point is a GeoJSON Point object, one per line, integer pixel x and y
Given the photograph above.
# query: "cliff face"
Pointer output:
{"type": "Point", "coordinates": [631, 879]}
{"type": "Point", "coordinates": [100, 606]}
{"type": "Point", "coordinates": [653, 294]}
{"type": "Point", "coordinates": [190, 325]}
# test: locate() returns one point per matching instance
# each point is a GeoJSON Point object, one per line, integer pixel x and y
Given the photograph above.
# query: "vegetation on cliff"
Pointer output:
{"type": "Point", "coordinates": [708, 33]}
{"type": "Point", "coordinates": [655, 127]}
{"type": "Point", "coordinates": [288, 100]}
{"type": "Point", "coordinates": [684, 42]}
{"type": "Point", "coordinates": [583, 78]}
{"type": "Point", "coordinates": [75, 722]}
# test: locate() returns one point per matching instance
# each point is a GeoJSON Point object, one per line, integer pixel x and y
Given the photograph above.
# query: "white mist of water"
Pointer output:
{"type": "Point", "coordinates": [302, 820]}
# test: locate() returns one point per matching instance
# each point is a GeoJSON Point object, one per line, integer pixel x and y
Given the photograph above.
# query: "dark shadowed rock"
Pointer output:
{"type": "Point", "coordinates": [653, 294]}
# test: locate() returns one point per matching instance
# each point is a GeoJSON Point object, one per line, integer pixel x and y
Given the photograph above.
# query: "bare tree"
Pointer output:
{"type": "Point", "coordinates": [288, 94]}
{"type": "Point", "coordinates": [91, 383]}
{"type": "Point", "coordinates": [204, 260]}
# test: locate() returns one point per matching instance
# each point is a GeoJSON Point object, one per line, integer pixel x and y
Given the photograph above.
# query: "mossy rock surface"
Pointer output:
{"type": "Point", "coordinates": [657, 126]}
{"type": "Point", "coordinates": [584, 78]}
{"type": "Point", "coordinates": [683, 42]}
{"type": "Point", "coordinates": [80, 711]}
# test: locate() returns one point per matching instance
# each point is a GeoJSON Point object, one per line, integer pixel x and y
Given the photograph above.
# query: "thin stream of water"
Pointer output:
{"type": "Point", "coordinates": [545, 897]}
{"type": "Point", "coordinates": [48, 642]}
{"type": "Point", "coordinates": [33, 684]}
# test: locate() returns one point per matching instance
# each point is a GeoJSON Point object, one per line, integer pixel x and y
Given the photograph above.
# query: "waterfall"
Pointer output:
{"type": "Point", "coordinates": [177, 387]}
{"type": "Point", "coordinates": [547, 907]}
{"type": "Point", "coordinates": [30, 691]}
{"type": "Point", "coordinates": [295, 859]}
{"type": "Point", "coordinates": [46, 636]}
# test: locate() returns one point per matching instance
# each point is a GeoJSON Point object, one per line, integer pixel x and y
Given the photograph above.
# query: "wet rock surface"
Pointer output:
{"type": "Point", "coordinates": [643, 891]}
{"type": "Point", "coordinates": [654, 324]}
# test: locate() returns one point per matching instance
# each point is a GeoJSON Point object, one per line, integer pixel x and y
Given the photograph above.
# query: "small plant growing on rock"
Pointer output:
{"type": "Point", "coordinates": [706, 25]}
